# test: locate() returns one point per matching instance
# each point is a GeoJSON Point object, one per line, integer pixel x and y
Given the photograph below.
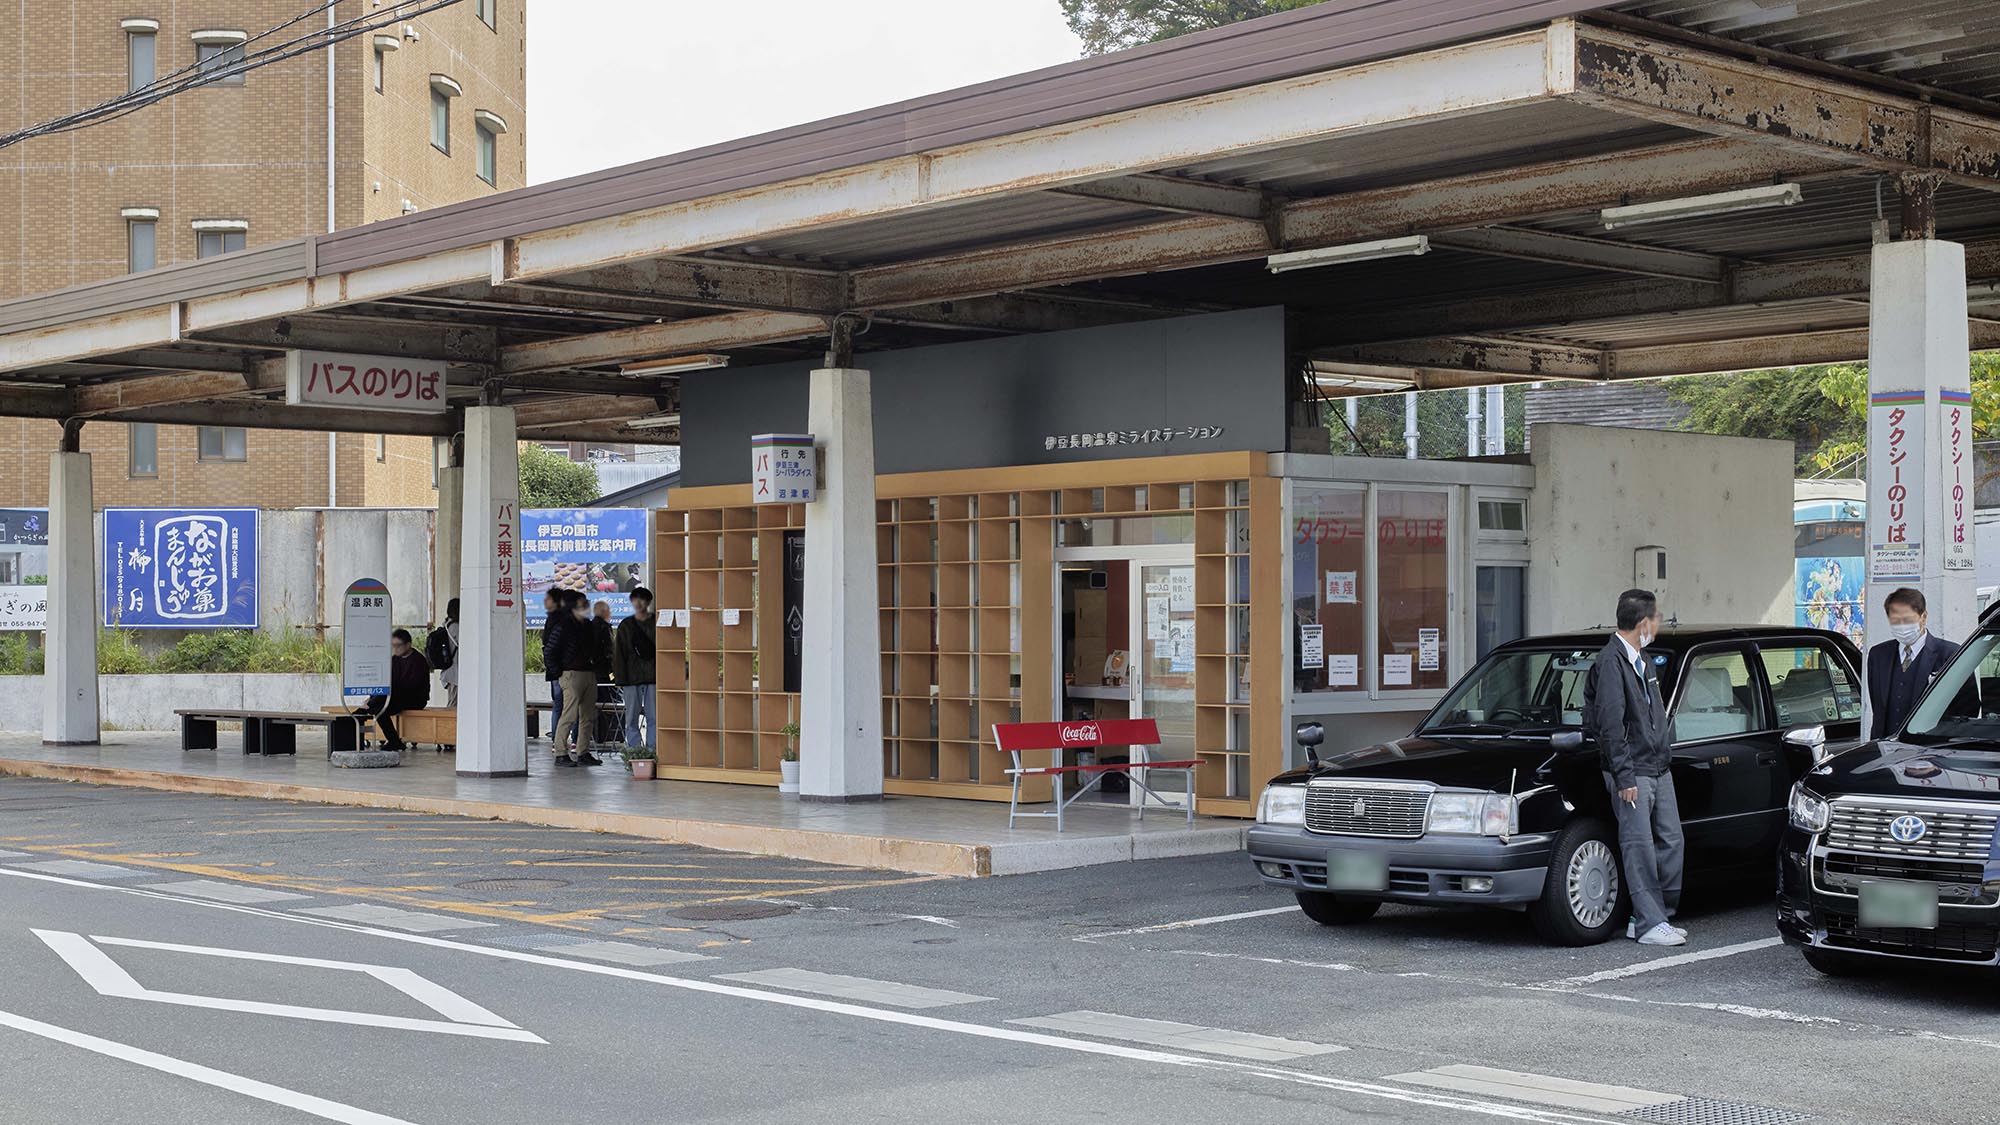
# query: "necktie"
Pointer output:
{"type": "Point", "coordinates": [1906, 658]}
{"type": "Point", "coordinates": [1639, 667]}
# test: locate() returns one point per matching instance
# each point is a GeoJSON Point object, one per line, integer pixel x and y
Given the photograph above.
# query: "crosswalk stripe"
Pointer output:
{"type": "Point", "coordinates": [414, 921]}
{"type": "Point", "coordinates": [81, 868]}
{"type": "Point", "coordinates": [626, 953]}
{"type": "Point", "coordinates": [855, 988]}
{"type": "Point", "coordinates": [224, 892]}
{"type": "Point", "coordinates": [1541, 1089]}
{"type": "Point", "coordinates": [1181, 1036]}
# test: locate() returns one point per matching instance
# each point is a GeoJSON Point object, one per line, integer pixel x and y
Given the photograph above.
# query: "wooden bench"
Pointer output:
{"type": "Point", "coordinates": [433, 726]}
{"type": "Point", "coordinates": [1137, 734]}
{"type": "Point", "coordinates": [268, 732]}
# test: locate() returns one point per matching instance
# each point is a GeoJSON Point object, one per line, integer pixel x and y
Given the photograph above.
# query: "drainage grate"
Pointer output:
{"type": "Point", "coordinates": [732, 911]}
{"type": "Point", "coordinates": [1708, 1111]}
{"type": "Point", "coordinates": [512, 884]}
{"type": "Point", "coordinates": [541, 941]}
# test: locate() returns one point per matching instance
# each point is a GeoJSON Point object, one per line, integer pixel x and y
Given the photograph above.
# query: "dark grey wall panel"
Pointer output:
{"type": "Point", "coordinates": [1000, 402]}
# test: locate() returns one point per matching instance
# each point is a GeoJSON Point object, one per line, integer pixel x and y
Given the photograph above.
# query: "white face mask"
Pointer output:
{"type": "Point", "coordinates": [1906, 632]}
{"type": "Point", "coordinates": [1646, 636]}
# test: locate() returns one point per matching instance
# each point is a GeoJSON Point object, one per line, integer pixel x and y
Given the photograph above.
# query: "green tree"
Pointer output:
{"type": "Point", "coordinates": [549, 480]}
{"type": "Point", "coordinates": [1110, 25]}
{"type": "Point", "coordinates": [1440, 424]}
{"type": "Point", "coordinates": [1786, 403]}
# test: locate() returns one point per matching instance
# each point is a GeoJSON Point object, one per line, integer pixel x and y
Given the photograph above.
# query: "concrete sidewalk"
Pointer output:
{"type": "Point", "coordinates": [917, 834]}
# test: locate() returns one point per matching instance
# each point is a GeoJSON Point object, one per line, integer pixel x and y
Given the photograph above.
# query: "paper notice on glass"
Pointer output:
{"type": "Point", "coordinates": [1180, 648]}
{"type": "Point", "coordinates": [1427, 650]}
{"type": "Point", "coordinates": [1157, 617]}
{"type": "Point", "coordinates": [1312, 646]}
{"type": "Point", "coordinates": [732, 617]}
{"type": "Point", "coordinates": [1180, 586]}
{"type": "Point", "coordinates": [1396, 671]}
{"type": "Point", "coordinates": [1340, 587]}
{"type": "Point", "coordinates": [1343, 670]}
{"type": "Point", "coordinates": [682, 617]}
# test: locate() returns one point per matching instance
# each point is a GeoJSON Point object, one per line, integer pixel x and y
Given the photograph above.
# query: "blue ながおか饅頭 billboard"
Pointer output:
{"type": "Point", "coordinates": [171, 568]}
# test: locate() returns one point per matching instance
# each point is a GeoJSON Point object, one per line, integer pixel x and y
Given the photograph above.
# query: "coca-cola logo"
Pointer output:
{"type": "Point", "coordinates": [1080, 734]}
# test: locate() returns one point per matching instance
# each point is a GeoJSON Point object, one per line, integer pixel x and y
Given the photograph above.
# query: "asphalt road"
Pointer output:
{"type": "Point", "coordinates": [182, 958]}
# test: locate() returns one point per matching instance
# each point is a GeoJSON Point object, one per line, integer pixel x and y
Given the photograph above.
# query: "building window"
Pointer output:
{"type": "Point", "coordinates": [484, 9]}
{"type": "Point", "coordinates": [440, 122]}
{"type": "Point", "coordinates": [142, 39]}
{"type": "Point", "coordinates": [1412, 588]}
{"type": "Point", "coordinates": [1503, 515]}
{"type": "Point", "coordinates": [222, 443]}
{"type": "Point", "coordinates": [141, 238]}
{"type": "Point", "coordinates": [1330, 579]}
{"type": "Point", "coordinates": [216, 50]}
{"type": "Point", "coordinates": [219, 236]}
{"type": "Point", "coordinates": [487, 144]}
{"type": "Point", "coordinates": [142, 450]}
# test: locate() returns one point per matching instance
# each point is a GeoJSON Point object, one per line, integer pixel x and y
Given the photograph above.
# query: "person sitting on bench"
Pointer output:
{"type": "Point", "coordinates": [409, 687]}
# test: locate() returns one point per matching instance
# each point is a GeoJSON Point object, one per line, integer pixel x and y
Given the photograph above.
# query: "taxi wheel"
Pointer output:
{"type": "Point", "coordinates": [1583, 900]}
{"type": "Point", "coordinates": [1835, 963]}
{"type": "Point", "coordinates": [1332, 910]}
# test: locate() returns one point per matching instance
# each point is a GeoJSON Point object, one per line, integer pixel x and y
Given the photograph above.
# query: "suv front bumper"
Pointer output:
{"type": "Point", "coordinates": [1428, 869]}
{"type": "Point", "coordinates": [1810, 914]}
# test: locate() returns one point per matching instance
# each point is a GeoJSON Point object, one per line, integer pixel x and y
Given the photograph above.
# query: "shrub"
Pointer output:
{"type": "Point", "coordinates": [118, 654]}
{"type": "Point", "coordinates": [216, 651]}
{"type": "Point", "coordinates": [294, 650]}
{"type": "Point", "coordinates": [19, 656]}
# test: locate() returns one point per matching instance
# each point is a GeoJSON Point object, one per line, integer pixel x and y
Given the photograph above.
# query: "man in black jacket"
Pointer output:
{"type": "Point", "coordinates": [555, 607]}
{"type": "Point", "coordinates": [1901, 668]}
{"type": "Point", "coordinates": [632, 667]}
{"type": "Point", "coordinates": [409, 687]}
{"type": "Point", "coordinates": [1628, 719]}
{"type": "Point", "coordinates": [577, 656]}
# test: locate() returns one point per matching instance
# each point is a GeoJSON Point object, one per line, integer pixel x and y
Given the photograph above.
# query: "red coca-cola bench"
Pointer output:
{"type": "Point", "coordinates": [1139, 735]}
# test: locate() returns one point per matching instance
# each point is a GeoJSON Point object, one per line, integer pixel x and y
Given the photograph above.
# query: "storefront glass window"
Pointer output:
{"type": "Point", "coordinates": [1329, 583]}
{"type": "Point", "coordinates": [1413, 609]}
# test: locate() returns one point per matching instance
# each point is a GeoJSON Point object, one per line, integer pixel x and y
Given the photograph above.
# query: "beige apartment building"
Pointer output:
{"type": "Point", "coordinates": [427, 111]}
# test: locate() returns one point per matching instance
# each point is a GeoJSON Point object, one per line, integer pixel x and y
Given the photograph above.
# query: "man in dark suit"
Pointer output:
{"type": "Point", "coordinates": [1627, 717]}
{"type": "Point", "coordinates": [1900, 669]}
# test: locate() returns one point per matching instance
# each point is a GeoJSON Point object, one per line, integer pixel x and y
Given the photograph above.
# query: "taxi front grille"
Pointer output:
{"type": "Point", "coordinates": [1339, 809]}
{"type": "Point", "coordinates": [1947, 833]}
{"type": "Point", "coordinates": [1948, 942]}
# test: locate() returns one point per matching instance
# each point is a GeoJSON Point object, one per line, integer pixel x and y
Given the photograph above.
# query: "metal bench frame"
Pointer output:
{"type": "Point", "coordinates": [1136, 735]}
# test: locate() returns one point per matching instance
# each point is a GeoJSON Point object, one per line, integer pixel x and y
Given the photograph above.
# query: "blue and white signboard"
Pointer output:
{"type": "Point", "coordinates": [600, 552]}
{"type": "Point", "coordinates": [172, 568]}
{"type": "Point", "coordinates": [24, 569]}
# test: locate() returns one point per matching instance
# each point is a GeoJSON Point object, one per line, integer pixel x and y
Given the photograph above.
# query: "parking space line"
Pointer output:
{"type": "Point", "coordinates": [1190, 923]}
{"type": "Point", "coordinates": [1183, 1036]}
{"type": "Point", "coordinates": [1659, 963]}
{"type": "Point", "coordinates": [1563, 1093]}
{"type": "Point", "coordinates": [209, 1076]}
{"type": "Point", "coordinates": [855, 988]}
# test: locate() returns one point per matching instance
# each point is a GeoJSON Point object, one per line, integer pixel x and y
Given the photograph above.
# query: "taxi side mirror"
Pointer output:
{"type": "Point", "coordinates": [1309, 736]}
{"type": "Point", "coordinates": [1809, 738]}
{"type": "Point", "coordinates": [1566, 741]}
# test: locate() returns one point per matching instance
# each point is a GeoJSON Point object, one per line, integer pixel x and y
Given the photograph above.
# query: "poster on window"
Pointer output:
{"type": "Point", "coordinates": [600, 553]}
{"type": "Point", "coordinates": [174, 568]}
{"type": "Point", "coordinates": [1427, 650]}
{"type": "Point", "coordinates": [1312, 646]}
{"type": "Point", "coordinates": [24, 569]}
{"type": "Point", "coordinates": [1340, 587]}
{"type": "Point", "coordinates": [1895, 485]}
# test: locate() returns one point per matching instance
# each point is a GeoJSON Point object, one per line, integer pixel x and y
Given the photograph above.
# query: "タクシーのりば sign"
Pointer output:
{"type": "Point", "coordinates": [180, 569]}
{"type": "Point", "coordinates": [1896, 483]}
{"type": "Point", "coordinates": [1956, 408]}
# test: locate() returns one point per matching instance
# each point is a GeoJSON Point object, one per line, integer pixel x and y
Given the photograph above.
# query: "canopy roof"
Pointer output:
{"type": "Point", "coordinates": [1152, 182]}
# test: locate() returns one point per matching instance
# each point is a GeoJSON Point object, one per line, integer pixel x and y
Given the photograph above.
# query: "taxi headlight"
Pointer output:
{"type": "Point", "coordinates": [1473, 814]}
{"type": "Point", "coordinates": [1282, 804]}
{"type": "Point", "coordinates": [1809, 813]}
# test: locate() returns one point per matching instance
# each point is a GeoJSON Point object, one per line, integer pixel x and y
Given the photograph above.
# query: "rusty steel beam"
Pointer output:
{"type": "Point", "coordinates": [1811, 115]}
{"type": "Point", "coordinates": [1526, 358]}
{"type": "Point", "coordinates": [257, 414]}
{"type": "Point", "coordinates": [1176, 194]}
{"type": "Point", "coordinates": [712, 282]}
{"type": "Point", "coordinates": [1607, 254]}
{"type": "Point", "coordinates": [654, 341]}
{"type": "Point", "coordinates": [118, 395]}
{"type": "Point", "coordinates": [551, 413]}
{"type": "Point", "coordinates": [331, 332]}
{"type": "Point", "coordinates": [36, 402]}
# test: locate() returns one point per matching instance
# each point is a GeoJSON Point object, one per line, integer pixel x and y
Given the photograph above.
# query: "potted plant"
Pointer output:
{"type": "Point", "coordinates": [640, 760]}
{"type": "Point", "coordinates": [788, 760]}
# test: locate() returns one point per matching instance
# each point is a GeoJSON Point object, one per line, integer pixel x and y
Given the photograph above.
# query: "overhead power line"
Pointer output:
{"type": "Point", "coordinates": [203, 74]}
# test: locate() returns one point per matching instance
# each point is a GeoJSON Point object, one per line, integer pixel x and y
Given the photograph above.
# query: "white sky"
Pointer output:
{"type": "Point", "coordinates": [614, 81]}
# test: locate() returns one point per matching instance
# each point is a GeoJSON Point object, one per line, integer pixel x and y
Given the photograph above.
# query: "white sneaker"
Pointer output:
{"type": "Point", "coordinates": [1663, 934]}
{"type": "Point", "coordinates": [1632, 930]}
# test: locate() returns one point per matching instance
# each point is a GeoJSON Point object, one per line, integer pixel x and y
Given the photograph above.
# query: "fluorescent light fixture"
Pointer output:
{"type": "Point", "coordinates": [674, 365]}
{"type": "Point", "coordinates": [654, 422]}
{"type": "Point", "coordinates": [1695, 206]}
{"type": "Point", "coordinates": [1362, 378]}
{"type": "Point", "coordinates": [1405, 247]}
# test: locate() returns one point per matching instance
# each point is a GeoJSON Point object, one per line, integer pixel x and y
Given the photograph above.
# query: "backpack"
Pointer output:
{"type": "Point", "coordinates": [439, 650]}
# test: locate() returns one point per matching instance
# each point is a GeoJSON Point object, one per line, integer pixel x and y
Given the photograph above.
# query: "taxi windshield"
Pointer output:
{"type": "Point", "coordinates": [1964, 700]}
{"type": "Point", "coordinates": [1520, 691]}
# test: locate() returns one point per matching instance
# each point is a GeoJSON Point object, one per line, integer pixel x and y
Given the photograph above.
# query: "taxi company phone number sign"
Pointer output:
{"type": "Point", "coordinates": [170, 568]}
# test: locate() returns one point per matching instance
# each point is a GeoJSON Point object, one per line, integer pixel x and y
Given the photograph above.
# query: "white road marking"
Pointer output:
{"type": "Point", "coordinates": [180, 1068]}
{"type": "Point", "coordinates": [1184, 1036]}
{"type": "Point", "coordinates": [1191, 923]}
{"type": "Point", "coordinates": [81, 867]}
{"type": "Point", "coordinates": [110, 979]}
{"type": "Point", "coordinates": [1659, 963]}
{"type": "Point", "coordinates": [372, 915]}
{"type": "Point", "coordinates": [13, 855]}
{"type": "Point", "coordinates": [625, 953]}
{"type": "Point", "coordinates": [906, 1019]}
{"type": "Point", "coordinates": [1563, 1093]}
{"type": "Point", "coordinates": [855, 988]}
{"type": "Point", "coordinates": [225, 892]}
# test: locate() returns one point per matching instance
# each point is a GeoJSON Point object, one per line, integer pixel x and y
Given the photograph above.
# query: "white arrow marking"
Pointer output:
{"type": "Point", "coordinates": [106, 976]}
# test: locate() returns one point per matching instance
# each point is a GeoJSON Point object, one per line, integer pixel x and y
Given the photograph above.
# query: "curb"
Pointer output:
{"type": "Point", "coordinates": [918, 857]}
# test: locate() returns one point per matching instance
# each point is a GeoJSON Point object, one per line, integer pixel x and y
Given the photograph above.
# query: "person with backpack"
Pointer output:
{"type": "Point", "coordinates": [632, 656]}
{"type": "Point", "coordinates": [441, 649]}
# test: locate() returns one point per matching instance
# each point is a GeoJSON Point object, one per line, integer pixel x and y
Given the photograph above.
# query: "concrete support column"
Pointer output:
{"type": "Point", "coordinates": [840, 728]}
{"type": "Point", "coordinates": [491, 739]}
{"type": "Point", "coordinates": [1920, 474]}
{"type": "Point", "coordinates": [69, 676]}
{"type": "Point", "coordinates": [1410, 434]}
{"type": "Point", "coordinates": [446, 535]}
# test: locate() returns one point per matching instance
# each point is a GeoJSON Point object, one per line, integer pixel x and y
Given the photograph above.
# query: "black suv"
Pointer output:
{"type": "Point", "coordinates": [1889, 854]}
{"type": "Point", "coordinates": [1497, 799]}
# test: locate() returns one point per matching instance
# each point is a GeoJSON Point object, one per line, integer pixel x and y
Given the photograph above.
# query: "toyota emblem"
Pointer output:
{"type": "Point", "coordinates": [1360, 807]}
{"type": "Point", "coordinates": [1907, 829]}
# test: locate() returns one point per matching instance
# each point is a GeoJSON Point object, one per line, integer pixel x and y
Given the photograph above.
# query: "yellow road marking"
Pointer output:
{"type": "Point", "coordinates": [710, 879]}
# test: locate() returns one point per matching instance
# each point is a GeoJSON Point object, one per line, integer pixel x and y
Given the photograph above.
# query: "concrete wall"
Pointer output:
{"type": "Point", "coordinates": [149, 702]}
{"type": "Point", "coordinates": [1721, 506]}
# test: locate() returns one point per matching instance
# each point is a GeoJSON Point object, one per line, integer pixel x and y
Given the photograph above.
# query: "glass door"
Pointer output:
{"type": "Point", "coordinates": [1163, 673]}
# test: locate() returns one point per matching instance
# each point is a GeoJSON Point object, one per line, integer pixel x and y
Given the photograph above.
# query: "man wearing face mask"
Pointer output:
{"type": "Point", "coordinates": [1627, 718]}
{"type": "Point", "coordinates": [1899, 670]}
